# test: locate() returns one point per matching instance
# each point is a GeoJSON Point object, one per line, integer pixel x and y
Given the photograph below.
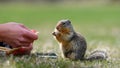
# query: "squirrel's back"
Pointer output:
{"type": "Point", "coordinates": [79, 44]}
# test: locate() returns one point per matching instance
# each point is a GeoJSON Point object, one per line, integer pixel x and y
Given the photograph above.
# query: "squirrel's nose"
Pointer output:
{"type": "Point", "coordinates": [53, 33]}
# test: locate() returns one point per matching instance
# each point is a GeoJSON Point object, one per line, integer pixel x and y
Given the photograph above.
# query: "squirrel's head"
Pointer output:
{"type": "Point", "coordinates": [64, 26]}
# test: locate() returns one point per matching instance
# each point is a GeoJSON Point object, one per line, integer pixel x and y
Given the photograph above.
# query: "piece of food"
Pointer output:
{"type": "Point", "coordinates": [34, 31]}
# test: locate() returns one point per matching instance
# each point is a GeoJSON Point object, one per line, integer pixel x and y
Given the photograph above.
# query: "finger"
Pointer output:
{"type": "Point", "coordinates": [15, 44]}
{"type": "Point", "coordinates": [30, 47]}
{"type": "Point", "coordinates": [30, 35]}
{"type": "Point", "coordinates": [19, 44]}
{"type": "Point", "coordinates": [25, 40]}
{"type": "Point", "coordinates": [25, 44]}
{"type": "Point", "coordinates": [22, 25]}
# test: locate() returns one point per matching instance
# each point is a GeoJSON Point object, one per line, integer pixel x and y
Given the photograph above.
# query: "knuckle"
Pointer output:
{"type": "Point", "coordinates": [20, 39]}
{"type": "Point", "coordinates": [22, 33]}
{"type": "Point", "coordinates": [18, 44]}
{"type": "Point", "coordinates": [21, 25]}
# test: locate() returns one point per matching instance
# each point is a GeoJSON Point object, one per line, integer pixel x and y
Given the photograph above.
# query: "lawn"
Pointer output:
{"type": "Point", "coordinates": [100, 25]}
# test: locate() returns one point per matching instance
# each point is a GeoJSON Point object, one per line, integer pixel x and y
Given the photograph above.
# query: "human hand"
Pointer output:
{"type": "Point", "coordinates": [16, 35]}
{"type": "Point", "coordinates": [24, 50]}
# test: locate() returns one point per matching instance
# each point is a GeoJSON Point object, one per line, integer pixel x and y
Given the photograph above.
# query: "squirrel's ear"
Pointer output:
{"type": "Point", "coordinates": [69, 21]}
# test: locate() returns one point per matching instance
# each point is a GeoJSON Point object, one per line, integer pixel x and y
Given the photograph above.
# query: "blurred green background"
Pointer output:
{"type": "Point", "coordinates": [97, 20]}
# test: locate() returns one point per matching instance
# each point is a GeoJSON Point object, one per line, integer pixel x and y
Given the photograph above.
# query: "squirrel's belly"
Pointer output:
{"type": "Point", "coordinates": [67, 51]}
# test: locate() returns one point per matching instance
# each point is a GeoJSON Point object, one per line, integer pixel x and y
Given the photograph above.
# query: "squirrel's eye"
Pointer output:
{"type": "Point", "coordinates": [63, 23]}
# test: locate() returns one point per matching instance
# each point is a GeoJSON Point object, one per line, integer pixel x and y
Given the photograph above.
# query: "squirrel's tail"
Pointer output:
{"type": "Point", "coordinates": [97, 55]}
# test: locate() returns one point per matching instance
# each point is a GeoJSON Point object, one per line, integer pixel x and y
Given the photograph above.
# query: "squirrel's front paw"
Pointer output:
{"type": "Point", "coordinates": [53, 33]}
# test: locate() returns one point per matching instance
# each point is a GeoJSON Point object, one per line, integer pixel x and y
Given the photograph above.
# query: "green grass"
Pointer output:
{"type": "Point", "coordinates": [99, 24]}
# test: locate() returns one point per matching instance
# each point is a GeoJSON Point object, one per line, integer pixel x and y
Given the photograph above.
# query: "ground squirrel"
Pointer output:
{"type": "Point", "coordinates": [72, 44]}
